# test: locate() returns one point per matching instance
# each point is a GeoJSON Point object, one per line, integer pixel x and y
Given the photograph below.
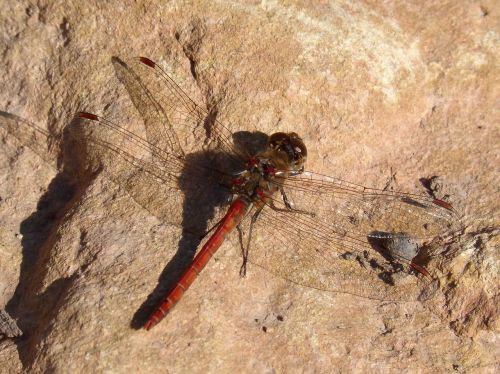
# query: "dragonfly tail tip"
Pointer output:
{"type": "Point", "coordinates": [147, 61]}
{"type": "Point", "coordinates": [443, 204]}
{"type": "Point", "coordinates": [86, 115]}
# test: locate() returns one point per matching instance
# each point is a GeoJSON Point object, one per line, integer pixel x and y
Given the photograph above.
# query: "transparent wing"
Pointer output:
{"type": "Point", "coordinates": [330, 250]}
{"type": "Point", "coordinates": [169, 113]}
{"type": "Point", "coordinates": [359, 210]}
{"type": "Point", "coordinates": [154, 169]}
{"type": "Point", "coordinates": [166, 185]}
{"type": "Point", "coordinates": [334, 249]}
{"type": "Point", "coordinates": [30, 135]}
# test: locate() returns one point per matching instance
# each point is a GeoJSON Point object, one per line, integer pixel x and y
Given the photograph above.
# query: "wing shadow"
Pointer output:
{"type": "Point", "coordinates": [204, 180]}
{"type": "Point", "coordinates": [32, 307]}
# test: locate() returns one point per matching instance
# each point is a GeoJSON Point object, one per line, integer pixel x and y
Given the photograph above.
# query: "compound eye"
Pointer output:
{"type": "Point", "coordinates": [298, 146]}
{"type": "Point", "coordinates": [291, 144]}
{"type": "Point", "coordinates": [277, 139]}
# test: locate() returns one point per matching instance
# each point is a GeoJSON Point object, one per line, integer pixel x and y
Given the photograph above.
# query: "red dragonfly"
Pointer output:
{"type": "Point", "coordinates": [324, 232]}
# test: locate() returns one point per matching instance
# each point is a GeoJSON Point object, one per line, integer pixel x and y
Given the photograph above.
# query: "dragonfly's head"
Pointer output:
{"type": "Point", "coordinates": [291, 150]}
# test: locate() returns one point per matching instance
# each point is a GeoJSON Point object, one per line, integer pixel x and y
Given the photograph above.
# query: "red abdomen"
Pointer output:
{"type": "Point", "coordinates": [233, 217]}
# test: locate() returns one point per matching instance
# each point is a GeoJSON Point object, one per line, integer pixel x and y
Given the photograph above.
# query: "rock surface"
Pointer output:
{"type": "Point", "coordinates": [383, 93]}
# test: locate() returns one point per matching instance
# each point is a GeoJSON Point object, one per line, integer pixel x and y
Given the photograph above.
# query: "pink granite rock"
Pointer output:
{"type": "Point", "coordinates": [384, 94]}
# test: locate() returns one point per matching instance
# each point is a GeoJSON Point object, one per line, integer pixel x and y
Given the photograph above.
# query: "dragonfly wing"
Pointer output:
{"type": "Point", "coordinates": [169, 113]}
{"type": "Point", "coordinates": [153, 168]}
{"type": "Point", "coordinates": [325, 263]}
{"type": "Point", "coordinates": [329, 245]}
{"type": "Point", "coordinates": [361, 211]}
{"type": "Point", "coordinates": [165, 184]}
{"type": "Point", "coordinates": [30, 135]}
{"type": "Point", "coordinates": [158, 121]}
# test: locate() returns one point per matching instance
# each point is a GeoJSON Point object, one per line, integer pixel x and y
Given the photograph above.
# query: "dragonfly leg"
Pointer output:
{"type": "Point", "coordinates": [246, 249]}
{"type": "Point", "coordinates": [228, 201]}
{"type": "Point", "coordinates": [202, 236]}
{"type": "Point", "coordinates": [285, 198]}
{"type": "Point", "coordinates": [288, 206]}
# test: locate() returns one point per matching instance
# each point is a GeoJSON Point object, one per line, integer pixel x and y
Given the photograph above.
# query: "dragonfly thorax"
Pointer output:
{"type": "Point", "coordinates": [284, 156]}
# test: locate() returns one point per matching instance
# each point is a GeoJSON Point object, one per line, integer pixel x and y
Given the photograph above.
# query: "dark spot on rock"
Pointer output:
{"type": "Point", "coordinates": [386, 277]}
{"type": "Point", "coordinates": [65, 31]}
{"type": "Point", "coordinates": [29, 11]}
{"type": "Point", "coordinates": [387, 332]}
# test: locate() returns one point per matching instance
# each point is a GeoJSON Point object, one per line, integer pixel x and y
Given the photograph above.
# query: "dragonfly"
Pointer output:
{"type": "Point", "coordinates": [308, 228]}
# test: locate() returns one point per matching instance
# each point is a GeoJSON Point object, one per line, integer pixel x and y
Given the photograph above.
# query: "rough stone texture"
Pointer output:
{"type": "Point", "coordinates": [8, 326]}
{"type": "Point", "coordinates": [380, 91]}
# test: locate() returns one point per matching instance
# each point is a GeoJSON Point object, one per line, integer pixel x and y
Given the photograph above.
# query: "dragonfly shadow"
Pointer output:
{"type": "Point", "coordinates": [36, 229]}
{"type": "Point", "coordinates": [33, 304]}
{"type": "Point", "coordinates": [252, 142]}
{"type": "Point", "coordinates": [203, 194]}
{"type": "Point", "coordinates": [195, 177]}
{"type": "Point", "coordinates": [206, 191]}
